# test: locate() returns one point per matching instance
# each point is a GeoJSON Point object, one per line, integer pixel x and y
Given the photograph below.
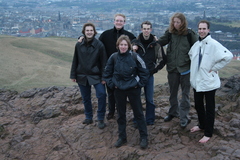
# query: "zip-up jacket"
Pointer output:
{"type": "Point", "coordinates": [153, 55]}
{"type": "Point", "coordinates": [109, 39]}
{"type": "Point", "coordinates": [88, 62]}
{"type": "Point", "coordinates": [204, 77]}
{"type": "Point", "coordinates": [125, 72]}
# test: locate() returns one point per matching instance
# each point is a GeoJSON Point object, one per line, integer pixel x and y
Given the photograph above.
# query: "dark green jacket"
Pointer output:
{"type": "Point", "coordinates": [177, 50]}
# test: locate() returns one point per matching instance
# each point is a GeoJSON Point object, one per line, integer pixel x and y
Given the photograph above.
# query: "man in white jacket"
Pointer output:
{"type": "Point", "coordinates": [207, 57]}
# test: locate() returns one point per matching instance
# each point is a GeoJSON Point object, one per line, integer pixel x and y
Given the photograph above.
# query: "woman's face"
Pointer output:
{"type": "Point", "coordinates": [123, 46]}
{"type": "Point", "coordinates": [177, 23]}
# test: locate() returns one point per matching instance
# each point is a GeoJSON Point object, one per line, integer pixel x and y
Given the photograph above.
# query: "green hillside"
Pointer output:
{"type": "Point", "coordinates": [43, 62]}
{"type": "Point", "coordinates": [35, 62]}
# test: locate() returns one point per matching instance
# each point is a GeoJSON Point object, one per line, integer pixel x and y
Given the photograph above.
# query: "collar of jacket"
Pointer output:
{"type": "Point", "coordinates": [138, 39]}
{"type": "Point", "coordinates": [144, 41]}
{"type": "Point", "coordinates": [200, 39]}
{"type": "Point", "coordinates": [138, 42]}
{"type": "Point", "coordinates": [119, 31]}
{"type": "Point", "coordinates": [90, 43]}
{"type": "Point", "coordinates": [205, 40]}
{"type": "Point", "coordinates": [125, 53]}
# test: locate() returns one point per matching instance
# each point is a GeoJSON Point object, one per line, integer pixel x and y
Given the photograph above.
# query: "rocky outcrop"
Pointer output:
{"type": "Point", "coordinates": [46, 124]}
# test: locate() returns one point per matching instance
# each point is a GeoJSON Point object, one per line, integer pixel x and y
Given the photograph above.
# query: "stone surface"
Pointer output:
{"type": "Point", "coordinates": [46, 124]}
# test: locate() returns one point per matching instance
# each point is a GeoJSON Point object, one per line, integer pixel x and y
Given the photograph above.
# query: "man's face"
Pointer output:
{"type": "Point", "coordinates": [146, 30]}
{"type": "Point", "coordinates": [119, 22]}
{"type": "Point", "coordinates": [203, 30]}
{"type": "Point", "coordinates": [89, 32]}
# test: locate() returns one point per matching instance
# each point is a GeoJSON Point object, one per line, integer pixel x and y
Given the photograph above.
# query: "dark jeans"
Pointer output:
{"type": "Point", "coordinates": [182, 110]}
{"type": "Point", "coordinates": [101, 96]}
{"type": "Point", "coordinates": [206, 115]}
{"type": "Point", "coordinates": [133, 95]}
{"type": "Point", "coordinates": [111, 100]}
{"type": "Point", "coordinates": [150, 106]}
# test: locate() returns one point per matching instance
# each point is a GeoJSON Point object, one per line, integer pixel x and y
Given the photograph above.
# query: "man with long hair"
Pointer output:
{"type": "Point", "coordinates": [179, 39]}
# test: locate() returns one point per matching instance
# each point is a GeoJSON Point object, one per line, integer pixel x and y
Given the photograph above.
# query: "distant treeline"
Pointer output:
{"type": "Point", "coordinates": [215, 25]}
{"type": "Point", "coordinates": [218, 25]}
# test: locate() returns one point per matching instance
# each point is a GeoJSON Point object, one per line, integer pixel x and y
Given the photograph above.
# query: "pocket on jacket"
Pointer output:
{"type": "Point", "coordinates": [95, 69]}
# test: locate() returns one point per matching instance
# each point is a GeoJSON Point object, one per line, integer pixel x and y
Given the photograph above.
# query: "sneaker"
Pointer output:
{"type": "Point", "coordinates": [120, 142]}
{"type": "Point", "coordinates": [144, 143]}
{"type": "Point", "coordinates": [88, 121]}
{"type": "Point", "coordinates": [168, 118]}
{"type": "Point", "coordinates": [110, 116]}
{"type": "Point", "coordinates": [101, 124]}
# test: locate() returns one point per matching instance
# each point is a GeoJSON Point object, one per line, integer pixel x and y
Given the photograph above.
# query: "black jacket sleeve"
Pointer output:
{"type": "Point", "coordinates": [108, 72]}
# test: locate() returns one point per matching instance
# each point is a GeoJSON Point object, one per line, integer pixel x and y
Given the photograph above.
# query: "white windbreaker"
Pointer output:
{"type": "Point", "coordinates": [214, 57]}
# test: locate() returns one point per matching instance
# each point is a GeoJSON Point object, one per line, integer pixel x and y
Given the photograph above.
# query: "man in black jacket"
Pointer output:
{"type": "Point", "coordinates": [154, 57]}
{"type": "Point", "coordinates": [87, 67]}
{"type": "Point", "coordinates": [109, 39]}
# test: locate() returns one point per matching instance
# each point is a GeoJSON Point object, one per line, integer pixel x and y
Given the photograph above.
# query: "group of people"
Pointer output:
{"type": "Point", "coordinates": [126, 64]}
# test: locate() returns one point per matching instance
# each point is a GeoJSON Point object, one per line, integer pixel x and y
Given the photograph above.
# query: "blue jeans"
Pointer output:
{"type": "Point", "coordinates": [175, 80]}
{"type": "Point", "coordinates": [150, 106]}
{"type": "Point", "coordinates": [101, 96]}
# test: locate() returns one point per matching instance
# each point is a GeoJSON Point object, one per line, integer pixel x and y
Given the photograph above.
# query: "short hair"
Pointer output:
{"type": "Point", "coordinates": [183, 30]}
{"type": "Point", "coordinates": [119, 14]}
{"type": "Point", "coordinates": [205, 21]}
{"type": "Point", "coordinates": [147, 23]}
{"type": "Point", "coordinates": [89, 24]}
{"type": "Point", "coordinates": [126, 38]}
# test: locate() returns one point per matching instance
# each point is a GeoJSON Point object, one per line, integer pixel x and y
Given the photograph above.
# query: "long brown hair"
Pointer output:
{"type": "Point", "coordinates": [183, 30]}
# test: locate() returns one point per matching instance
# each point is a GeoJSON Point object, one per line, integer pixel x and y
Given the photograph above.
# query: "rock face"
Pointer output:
{"type": "Point", "coordinates": [46, 124]}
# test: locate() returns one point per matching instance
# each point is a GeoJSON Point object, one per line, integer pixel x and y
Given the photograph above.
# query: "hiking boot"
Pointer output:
{"type": "Point", "coordinates": [120, 142]}
{"type": "Point", "coordinates": [87, 121]}
{"type": "Point", "coordinates": [101, 124]}
{"type": "Point", "coordinates": [144, 143]}
{"type": "Point", "coordinates": [168, 118]}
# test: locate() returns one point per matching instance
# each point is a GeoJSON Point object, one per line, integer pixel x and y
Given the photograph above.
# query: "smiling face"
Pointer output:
{"type": "Point", "coordinates": [146, 30]}
{"type": "Point", "coordinates": [89, 32]}
{"type": "Point", "coordinates": [203, 30]}
{"type": "Point", "coordinates": [123, 46]}
{"type": "Point", "coordinates": [119, 22]}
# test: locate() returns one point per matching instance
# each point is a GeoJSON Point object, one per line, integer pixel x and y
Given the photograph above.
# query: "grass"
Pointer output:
{"type": "Point", "coordinates": [231, 24]}
{"type": "Point", "coordinates": [28, 63]}
{"type": "Point", "coordinates": [35, 62]}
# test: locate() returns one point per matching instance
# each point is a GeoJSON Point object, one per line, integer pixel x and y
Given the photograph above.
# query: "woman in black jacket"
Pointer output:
{"type": "Point", "coordinates": [126, 72]}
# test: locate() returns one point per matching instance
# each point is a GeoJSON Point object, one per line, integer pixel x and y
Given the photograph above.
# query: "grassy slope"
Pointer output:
{"type": "Point", "coordinates": [35, 62]}
{"type": "Point", "coordinates": [42, 62]}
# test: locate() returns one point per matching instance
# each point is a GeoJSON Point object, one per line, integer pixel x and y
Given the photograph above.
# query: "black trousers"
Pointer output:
{"type": "Point", "coordinates": [111, 100]}
{"type": "Point", "coordinates": [134, 96]}
{"type": "Point", "coordinates": [206, 115]}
